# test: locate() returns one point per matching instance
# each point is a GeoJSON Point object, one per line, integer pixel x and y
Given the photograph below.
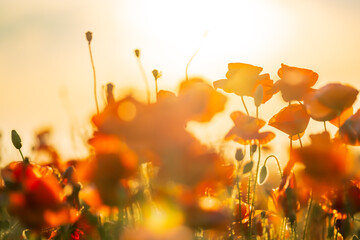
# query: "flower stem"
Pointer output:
{"type": "Point", "coordinates": [253, 194]}
{"type": "Point", "coordinates": [277, 161]}
{"type": "Point", "coordinates": [145, 79]}
{"type": "Point", "coordinates": [243, 102]}
{"type": "Point", "coordinates": [307, 218]}
{"type": "Point", "coordinates": [325, 126]}
{"type": "Point", "coordinates": [94, 74]}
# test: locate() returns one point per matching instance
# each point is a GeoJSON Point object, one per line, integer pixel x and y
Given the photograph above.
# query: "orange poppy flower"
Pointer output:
{"type": "Point", "coordinates": [246, 130]}
{"type": "Point", "coordinates": [200, 100]}
{"type": "Point", "coordinates": [243, 79]}
{"type": "Point", "coordinates": [295, 82]}
{"type": "Point", "coordinates": [330, 101]}
{"type": "Point", "coordinates": [349, 132]}
{"type": "Point", "coordinates": [326, 164]}
{"type": "Point", "coordinates": [291, 120]}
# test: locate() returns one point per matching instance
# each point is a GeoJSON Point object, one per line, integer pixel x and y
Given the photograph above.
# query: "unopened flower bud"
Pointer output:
{"type": "Point", "coordinates": [239, 155]}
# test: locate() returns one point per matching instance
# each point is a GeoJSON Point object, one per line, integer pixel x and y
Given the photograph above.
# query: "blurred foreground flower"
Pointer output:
{"type": "Point", "coordinates": [327, 164]}
{"type": "Point", "coordinates": [35, 196]}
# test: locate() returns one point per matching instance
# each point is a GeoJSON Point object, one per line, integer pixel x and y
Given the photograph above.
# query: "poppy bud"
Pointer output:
{"type": "Point", "coordinates": [88, 36]}
{"type": "Point", "coordinates": [137, 53]}
{"type": "Point", "coordinates": [258, 96]}
{"type": "Point", "coordinates": [263, 174]}
{"type": "Point", "coordinates": [253, 149]}
{"type": "Point", "coordinates": [239, 155]}
{"type": "Point", "coordinates": [16, 140]}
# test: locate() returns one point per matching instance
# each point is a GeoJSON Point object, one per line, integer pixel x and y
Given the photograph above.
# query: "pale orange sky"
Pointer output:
{"type": "Point", "coordinates": [43, 52]}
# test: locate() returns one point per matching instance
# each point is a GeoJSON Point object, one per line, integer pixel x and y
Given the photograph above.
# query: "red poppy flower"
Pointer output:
{"type": "Point", "coordinates": [284, 198]}
{"type": "Point", "coordinates": [343, 200]}
{"type": "Point", "coordinates": [246, 130]}
{"type": "Point", "coordinates": [291, 120]}
{"type": "Point", "coordinates": [330, 101]}
{"type": "Point", "coordinates": [295, 82]}
{"type": "Point", "coordinates": [243, 79]}
{"type": "Point", "coordinates": [35, 196]}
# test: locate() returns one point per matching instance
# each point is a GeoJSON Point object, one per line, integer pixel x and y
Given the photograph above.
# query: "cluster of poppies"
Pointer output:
{"type": "Point", "coordinates": [147, 177]}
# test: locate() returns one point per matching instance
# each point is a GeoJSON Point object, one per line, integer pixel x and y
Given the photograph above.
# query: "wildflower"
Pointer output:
{"type": "Point", "coordinates": [291, 120]}
{"type": "Point", "coordinates": [295, 82]}
{"type": "Point", "coordinates": [200, 100]}
{"type": "Point", "coordinates": [284, 198]}
{"type": "Point", "coordinates": [326, 164]}
{"type": "Point", "coordinates": [246, 130]}
{"type": "Point", "coordinates": [349, 132]}
{"type": "Point", "coordinates": [330, 101]}
{"type": "Point", "coordinates": [343, 200]}
{"type": "Point", "coordinates": [35, 196]}
{"type": "Point", "coordinates": [243, 79]}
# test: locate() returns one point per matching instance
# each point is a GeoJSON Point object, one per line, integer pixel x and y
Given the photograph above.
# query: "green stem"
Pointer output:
{"type": "Point", "coordinates": [22, 156]}
{"type": "Point", "coordinates": [308, 212]}
{"type": "Point", "coordinates": [94, 75]}
{"type": "Point", "coordinates": [252, 206]}
{"type": "Point", "coordinates": [243, 102]}
{"type": "Point", "coordinates": [277, 161]}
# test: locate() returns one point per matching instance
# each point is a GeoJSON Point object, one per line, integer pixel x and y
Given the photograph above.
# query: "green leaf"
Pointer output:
{"type": "Point", "coordinates": [16, 140]}
{"type": "Point", "coordinates": [248, 167]}
{"type": "Point", "coordinates": [263, 174]}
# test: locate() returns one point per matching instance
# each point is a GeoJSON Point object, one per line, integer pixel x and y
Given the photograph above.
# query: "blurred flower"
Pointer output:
{"type": "Point", "coordinates": [157, 134]}
{"type": "Point", "coordinates": [330, 101]}
{"type": "Point", "coordinates": [291, 120]}
{"type": "Point", "coordinates": [200, 99]}
{"type": "Point", "coordinates": [349, 132]}
{"type": "Point", "coordinates": [246, 130]}
{"type": "Point", "coordinates": [113, 162]}
{"type": "Point", "coordinates": [243, 79]}
{"type": "Point", "coordinates": [35, 196]}
{"type": "Point", "coordinates": [343, 200]}
{"type": "Point", "coordinates": [284, 198]}
{"type": "Point", "coordinates": [295, 82]}
{"type": "Point", "coordinates": [326, 164]}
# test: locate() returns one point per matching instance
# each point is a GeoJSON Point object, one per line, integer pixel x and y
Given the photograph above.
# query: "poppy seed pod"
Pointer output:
{"type": "Point", "coordinates": [88, 36]}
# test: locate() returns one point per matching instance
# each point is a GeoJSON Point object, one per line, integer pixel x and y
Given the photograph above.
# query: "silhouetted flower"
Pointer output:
{"type": "Point", "coordinates": [291, 120]}
{"type": "Point", "coordinates": [246, 130]}
{"type": "Point", "coordinates": [243, 79]}
{"type": "Point", "coordinates": [295, 82]}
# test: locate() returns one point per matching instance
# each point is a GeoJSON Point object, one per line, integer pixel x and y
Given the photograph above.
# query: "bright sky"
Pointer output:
{"type": "Point", "coordinates": [45, 71]}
